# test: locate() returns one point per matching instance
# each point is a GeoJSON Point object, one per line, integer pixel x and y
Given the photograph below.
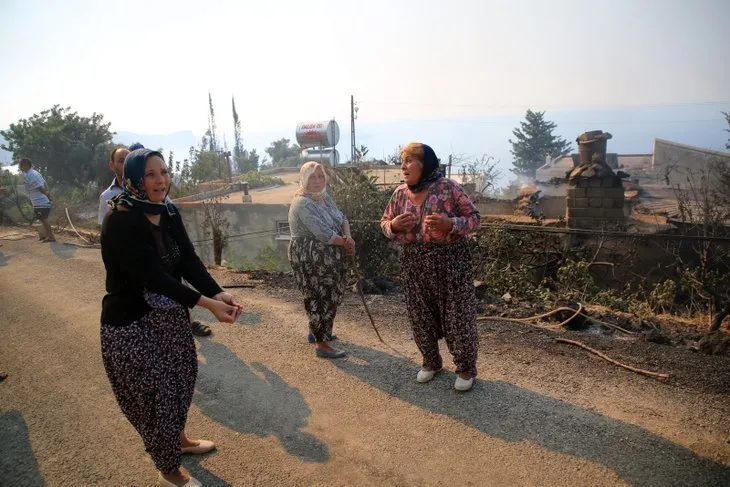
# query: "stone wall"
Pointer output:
{"type": "Point", "coordinates": [595, 203]}
{"type": "Point", "coordinates": [491, 206]}
{"type": "Point", "coordinates": [553, 207]}
{"type": "Point", "coordinates": [253, 230]}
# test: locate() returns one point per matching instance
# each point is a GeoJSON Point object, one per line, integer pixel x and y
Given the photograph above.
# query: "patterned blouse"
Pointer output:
{"type": "Point", "coordinates": [322, 221]}
{"type": "Point", "coordinates": [445, 197]}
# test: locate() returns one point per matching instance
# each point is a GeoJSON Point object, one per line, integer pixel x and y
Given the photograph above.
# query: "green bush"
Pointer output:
{"type": "Point", "coordinates": [267, 260]}
{"type": "Point", "coordinates": [662, 297]}
{"type": "Point", "coordinates": [257, 180]}
{"type": "Point", "coordinates": [499, 260]}
{"type": "Point", "coordinates": [363, 204]}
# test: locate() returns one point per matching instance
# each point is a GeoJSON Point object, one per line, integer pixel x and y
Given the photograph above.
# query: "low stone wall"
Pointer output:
{"type": "Point", "coordinates": [488, 206]}
{"type": "Point", "coordinates": [253, 233]}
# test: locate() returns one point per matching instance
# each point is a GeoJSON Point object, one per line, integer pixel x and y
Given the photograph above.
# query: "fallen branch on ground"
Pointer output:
{"type": "Point", "coordinates": [609, 325]}
{"type": "Point", "coordinates": [68, 217]}
{"type": "Point", "coordinates": [7, 237]}
{"type": "Point", "coordinates": [609, 359]}
{"type": "Point", "coordinates": [82, 246]}
{"type": "Point", "coordinates": [557, 310]}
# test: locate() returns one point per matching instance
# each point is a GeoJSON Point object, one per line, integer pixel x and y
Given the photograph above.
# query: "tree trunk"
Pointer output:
{"type": "Point", "coordinates": [217, 248]}
{"type": "Point", "coordinates": [718, 317]}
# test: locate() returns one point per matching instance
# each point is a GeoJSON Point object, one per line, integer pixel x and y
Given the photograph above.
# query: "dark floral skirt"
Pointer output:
{"type": "Point", "coordinates": [320, 272]}
{"type": "Point", "coordinates": [152, 366]}
{"type": "Point", "coordinates": [441, 302]}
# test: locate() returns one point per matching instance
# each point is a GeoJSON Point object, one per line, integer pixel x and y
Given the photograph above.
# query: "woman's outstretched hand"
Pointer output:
{"type": "Point", "coordinates": [230, 300]}
{"type": "Point", "coordinates": [225, 312]}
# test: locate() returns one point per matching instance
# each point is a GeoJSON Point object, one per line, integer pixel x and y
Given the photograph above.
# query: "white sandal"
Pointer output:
{"type": "Point", "coordinates": [463, 385]}
{"type": "Point", "coordinates": [193, 482]}
{"type": "Point", "coordinates": [203, 446]}
{"type": "Point", "coordinates": [426, 375]}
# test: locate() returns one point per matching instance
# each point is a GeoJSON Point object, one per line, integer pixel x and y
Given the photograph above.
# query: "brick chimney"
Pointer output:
{"type": "Point", "coordinates": [595, 198]}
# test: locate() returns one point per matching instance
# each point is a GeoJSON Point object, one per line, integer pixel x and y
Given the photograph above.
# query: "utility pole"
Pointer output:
{"type": "Point", "coordinates": [449, 176]}
{"type": "Point", "coordinates": [352, 128]}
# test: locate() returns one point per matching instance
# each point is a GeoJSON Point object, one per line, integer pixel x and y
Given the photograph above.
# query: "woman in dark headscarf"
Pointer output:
{"type": "Point", "coordinates": [431, 216]}
{"type": "Point", "coordinates": [146, 343]}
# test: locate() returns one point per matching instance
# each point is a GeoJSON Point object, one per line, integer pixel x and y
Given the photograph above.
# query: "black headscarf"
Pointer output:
{"type": "Point", "coordinates": [430, 172]}
{"type": "Point", "coordinates": [133, 195]}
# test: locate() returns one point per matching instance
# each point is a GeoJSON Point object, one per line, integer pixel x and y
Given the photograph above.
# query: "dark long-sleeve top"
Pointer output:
{"type": "Point", "coordinates": [133, 265]}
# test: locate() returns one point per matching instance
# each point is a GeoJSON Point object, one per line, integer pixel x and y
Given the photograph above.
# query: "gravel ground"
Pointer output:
{"type": "Point", "coordinates": [541, 413]}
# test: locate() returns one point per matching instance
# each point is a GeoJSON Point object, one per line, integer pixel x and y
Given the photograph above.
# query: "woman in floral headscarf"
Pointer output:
{"type": "Point", "coordinates": [320, 238]}
{"type": "Point", "coordinates": [431, 216]}
{"type": "Point", "coordinates": [146, 342]}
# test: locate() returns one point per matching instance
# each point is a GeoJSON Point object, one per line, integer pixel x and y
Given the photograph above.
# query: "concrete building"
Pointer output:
{"type": "Point", "coordinates": [669, 164]}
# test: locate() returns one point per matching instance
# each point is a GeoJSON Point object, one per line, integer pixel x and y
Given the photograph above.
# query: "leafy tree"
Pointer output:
{"type": "Point", "coordinates": [64, 146]}
{"type": "Point", "coordinates": [185, 184]}
{"type": "Point", "coordinates": [15, 207]}
{"type": "Point", "coordinates": [283, 154]}
{"type": "Point", "coordinates": [238, 140]}
{"type": "Point", "coordinates": [172, 163]}
{"type": "Point", "coordinates": [265, 164]}
{"type": "Point", "coordinates": [243, 160]}
{"type": "Point", "coordinates": [247, 161]}
{"type": "Point", "coordinates": [533, 141]}
{"type": "Point", "coordinates": [206, 166]}
{"type": "Point", "coordinates": [212, 136]}
{"type": "Point", "coordinates": [482, 171]}
{"type": "Point", "coordinates": [727, 119]}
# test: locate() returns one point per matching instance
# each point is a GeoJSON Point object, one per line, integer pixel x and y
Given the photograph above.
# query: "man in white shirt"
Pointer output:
{"type": "Point", "coordinates": [116, 164]}
{"type": "Point", "coordinates": [39, 198]}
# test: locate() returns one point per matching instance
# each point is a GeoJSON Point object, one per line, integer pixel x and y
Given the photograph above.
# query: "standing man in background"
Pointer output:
{"type": "Point", "coordinates": [116, 164]}
{"type": "Point", "coordinates": [39, 198]}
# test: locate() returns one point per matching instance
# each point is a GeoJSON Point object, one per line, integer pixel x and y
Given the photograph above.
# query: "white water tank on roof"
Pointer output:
{"type": "Point", "coordinates": [328, 156]}
{"type": "Point", "coordinates": [318, 134]}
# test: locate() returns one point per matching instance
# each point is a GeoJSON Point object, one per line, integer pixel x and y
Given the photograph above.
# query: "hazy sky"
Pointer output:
{"type": "Point", "coordinates": [148, 65]}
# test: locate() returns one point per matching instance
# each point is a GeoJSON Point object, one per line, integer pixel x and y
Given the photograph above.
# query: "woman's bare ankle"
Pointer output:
{"type": "Point", "coordinates": [325, 346]}
{"type": "Point", "coordinates": [179, 477]}
{"type": "Point", "coordinates": [187, 442]}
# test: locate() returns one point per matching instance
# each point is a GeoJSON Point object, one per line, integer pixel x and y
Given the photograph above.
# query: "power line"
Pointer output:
{"type": "Point", "coordinates": [562, 107]}
{"type": "Point", "coordinates": [240, 235]}
{"type": "Point", "coordinates": [534, 229]}
{"type": "Point", "coordinates": [502, 122]}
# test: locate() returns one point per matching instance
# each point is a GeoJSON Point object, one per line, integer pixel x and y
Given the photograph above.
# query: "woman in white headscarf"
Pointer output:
{"type": "Point", "coordinates": [320, 239]}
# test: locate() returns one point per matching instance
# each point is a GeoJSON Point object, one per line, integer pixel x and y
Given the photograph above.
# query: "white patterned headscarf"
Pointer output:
{"type": "Point", "coordinates": [307, 171]}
